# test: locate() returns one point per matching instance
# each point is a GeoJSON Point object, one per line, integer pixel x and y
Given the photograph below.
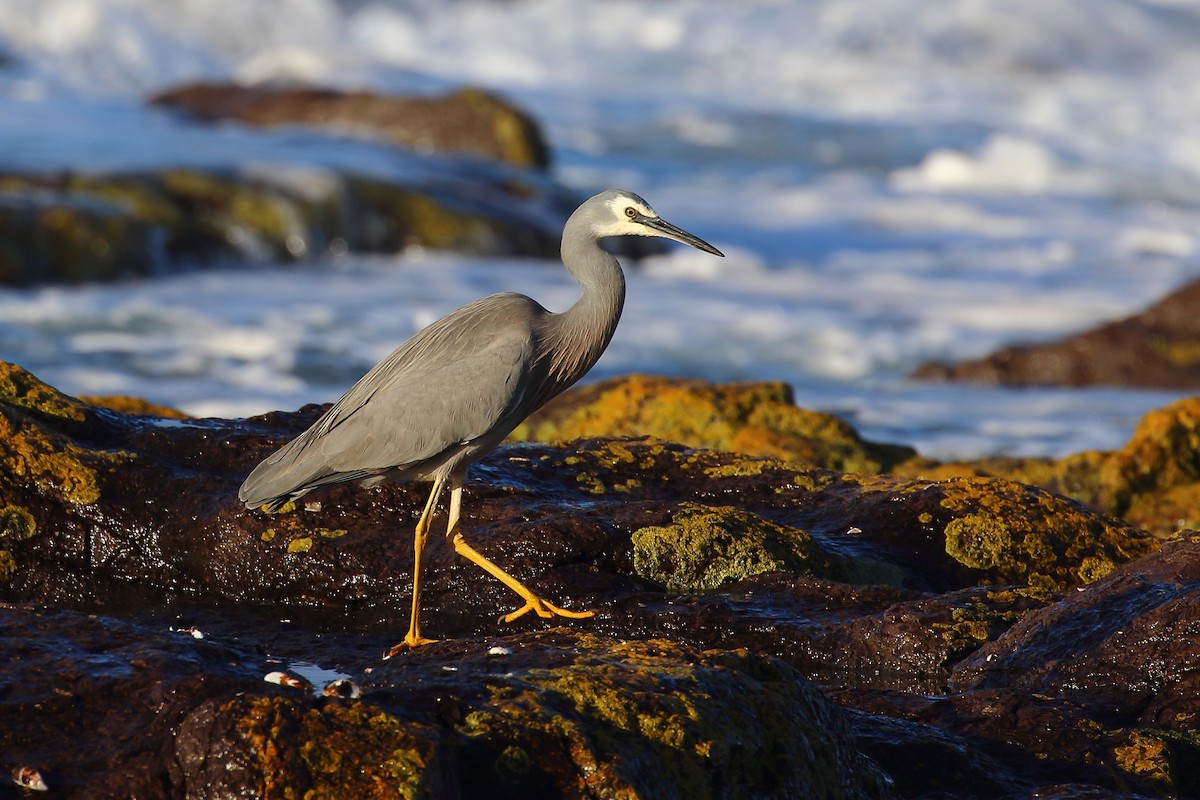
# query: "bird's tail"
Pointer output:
{"type": "Point", "coordinates": [276, 481]}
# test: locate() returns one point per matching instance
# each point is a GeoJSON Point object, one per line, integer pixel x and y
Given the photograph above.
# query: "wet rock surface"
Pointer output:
{"type": "Point", "coordinates": [976, 636]}
{"type": "Point", "coordinates": [1154, 349]}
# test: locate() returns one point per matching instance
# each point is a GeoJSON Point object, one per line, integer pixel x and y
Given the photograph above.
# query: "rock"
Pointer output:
{"type": "Point", "coordinates": [1119, 655]}
{"type": "Point", "coordinates": [68, 462]}
{"type": "Point", "coordinates": [73, 227]}
{"type": "Point", "coordinates": [1124, 643]}
{"type": "Point", "coordinates": [112, 708]}
{"type": "Point", "coordinates": [1152, 482]}
{"type": "Point", "coordinates": [1154, 349]}
{"type": "Point", "coordinates": [132, 405]}
{"type": "Point", "coordinates": [966, 626]}
{"type": "Point", "coordinates": [466, 122]}
{"type": "Point", "coordinates": [758, 419]}
{"type": "Point", "coordinates": [93, 701]}
{"type": "Point", "coordinates": [68, 238]}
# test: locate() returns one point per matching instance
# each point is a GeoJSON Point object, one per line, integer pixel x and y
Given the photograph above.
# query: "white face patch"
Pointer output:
{"type": "Point", "coordinates": [622, 225]}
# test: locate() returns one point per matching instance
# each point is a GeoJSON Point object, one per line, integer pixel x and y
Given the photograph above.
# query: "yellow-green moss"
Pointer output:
{"type": "Point", "coordinates": [1165, 510]}
{"type": "Point", "coordinates": [812, 480]}
{"type": "Point", "coordinates": [590, 483]}
{"type": "Point", "coordinates": [422, 220]}
{"type": "Point", "coordinates": [35, 443]}
{"type": "Point", "coordinates": [1160, 454]}
{"type": "Point", "coordinates": [704, 547]}
{"type": "Point", "coordinates": [32, 452]}
{"type": "Point", "coordinates": [981, 542]}
{"type": "Point", "coordinates": [8, 565]}
{"type": "Point", "coordinates": [338, 751]}
{"type": "Point", "coordinates": [984, 617]}
{"type": "Point", "coordinates": [330, 533]}
{"type": "Point", "coordinates": [1093, 568]}
{"type": "Point", "coordinates": [140, 195]}
{"type": "Point", "coordinates": [743, 467]}
{"type": "Point", "coordinates": [650, 719]}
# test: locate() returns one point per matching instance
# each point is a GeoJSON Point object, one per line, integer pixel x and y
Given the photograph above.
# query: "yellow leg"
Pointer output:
{"type": "Point", "coordinates": [532, 602]}
{"type": "Point", "coordinates": [414, 638]}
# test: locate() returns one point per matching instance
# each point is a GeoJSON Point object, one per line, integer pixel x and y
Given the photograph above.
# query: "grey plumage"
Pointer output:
{"type": "Point", "coordinates": [454, 390]}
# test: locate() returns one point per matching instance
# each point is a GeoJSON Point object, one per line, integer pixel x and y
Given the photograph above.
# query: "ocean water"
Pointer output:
{"type": "Point", "coordinates": [892, 180]}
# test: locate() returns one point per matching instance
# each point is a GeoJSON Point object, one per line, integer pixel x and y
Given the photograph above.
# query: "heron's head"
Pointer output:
{"type": "Point", "coordinates": [620, 213]}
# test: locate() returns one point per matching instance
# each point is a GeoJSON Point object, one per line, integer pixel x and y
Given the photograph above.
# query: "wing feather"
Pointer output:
{"type": "Point", "coordinates": [459, 380]}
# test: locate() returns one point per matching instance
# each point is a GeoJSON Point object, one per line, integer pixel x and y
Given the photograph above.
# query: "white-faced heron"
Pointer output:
{"type": "Point", "coordinates": [453, 391]}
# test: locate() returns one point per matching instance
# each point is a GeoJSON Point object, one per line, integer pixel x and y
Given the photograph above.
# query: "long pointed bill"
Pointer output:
{"type": "Point", "coordinates": [664, 228]}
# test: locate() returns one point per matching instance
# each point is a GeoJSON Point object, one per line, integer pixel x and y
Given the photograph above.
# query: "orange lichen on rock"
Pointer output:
{"type": "Point", "coordinates": [33, 446]}
{"type": "Point", "coordinates": [1022, 534]}
{"type": "Point", "coordinates": [1162, 454]}
{"type": "Point", "coordinates": [19, 388]}
{"type": "Point", "coordinates": [338, 751]}
{"type": "Point", "coordinates": [751, 418]}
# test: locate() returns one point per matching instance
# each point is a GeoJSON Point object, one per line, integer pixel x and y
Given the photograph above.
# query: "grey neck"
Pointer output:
{"type": "Point", "coordinates": [579, 335]}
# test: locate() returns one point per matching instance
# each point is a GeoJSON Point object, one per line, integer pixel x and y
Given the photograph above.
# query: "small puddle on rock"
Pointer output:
{"type": "Point", "coordinates": [317, 677]}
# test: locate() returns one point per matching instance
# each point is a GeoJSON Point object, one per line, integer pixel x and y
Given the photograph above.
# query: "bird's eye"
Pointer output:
{"type": "Point", "coordinates": [631, 212]}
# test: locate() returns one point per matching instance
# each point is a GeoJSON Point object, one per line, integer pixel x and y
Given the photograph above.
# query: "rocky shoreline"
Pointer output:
{"type": "Point", "coordinates": [768, 625]}
{"type": "Point", "coordinates": [784, 609]}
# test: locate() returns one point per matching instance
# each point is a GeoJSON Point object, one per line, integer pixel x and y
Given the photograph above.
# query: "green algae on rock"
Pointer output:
{"type": "Point", "coordinates": [21, 389]}
{"type": "Point", "coordinates": [1162, 456]}
{"type": "Point", "coordinates": [704, 547]}
{"type": "Point", "coordinates": [962, 531]}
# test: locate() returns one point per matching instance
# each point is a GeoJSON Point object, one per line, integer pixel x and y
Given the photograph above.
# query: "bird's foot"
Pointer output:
{"type": "Point", "coordinates": [545, 610]}
{"type": "Point", "coordinates": [410, 642]}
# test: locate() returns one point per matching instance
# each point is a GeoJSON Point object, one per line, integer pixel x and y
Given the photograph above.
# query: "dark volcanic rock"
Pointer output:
{"type": "Point", "coordinates": [467, 122]}
{"type": "Point", "coordinates": [722, 584]}
{"type": "Point", "coordinates": [1155, 349]}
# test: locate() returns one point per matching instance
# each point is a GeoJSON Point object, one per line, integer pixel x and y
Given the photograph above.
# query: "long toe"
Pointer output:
{"type": "Point", "coordinates": [545, 610]}
{"type": "Point", "coordinates": [532, 605]}
{"type": "Point", "coordinates": [562, 612]}
{"type": "Point", "coordinates": [409, 643]}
